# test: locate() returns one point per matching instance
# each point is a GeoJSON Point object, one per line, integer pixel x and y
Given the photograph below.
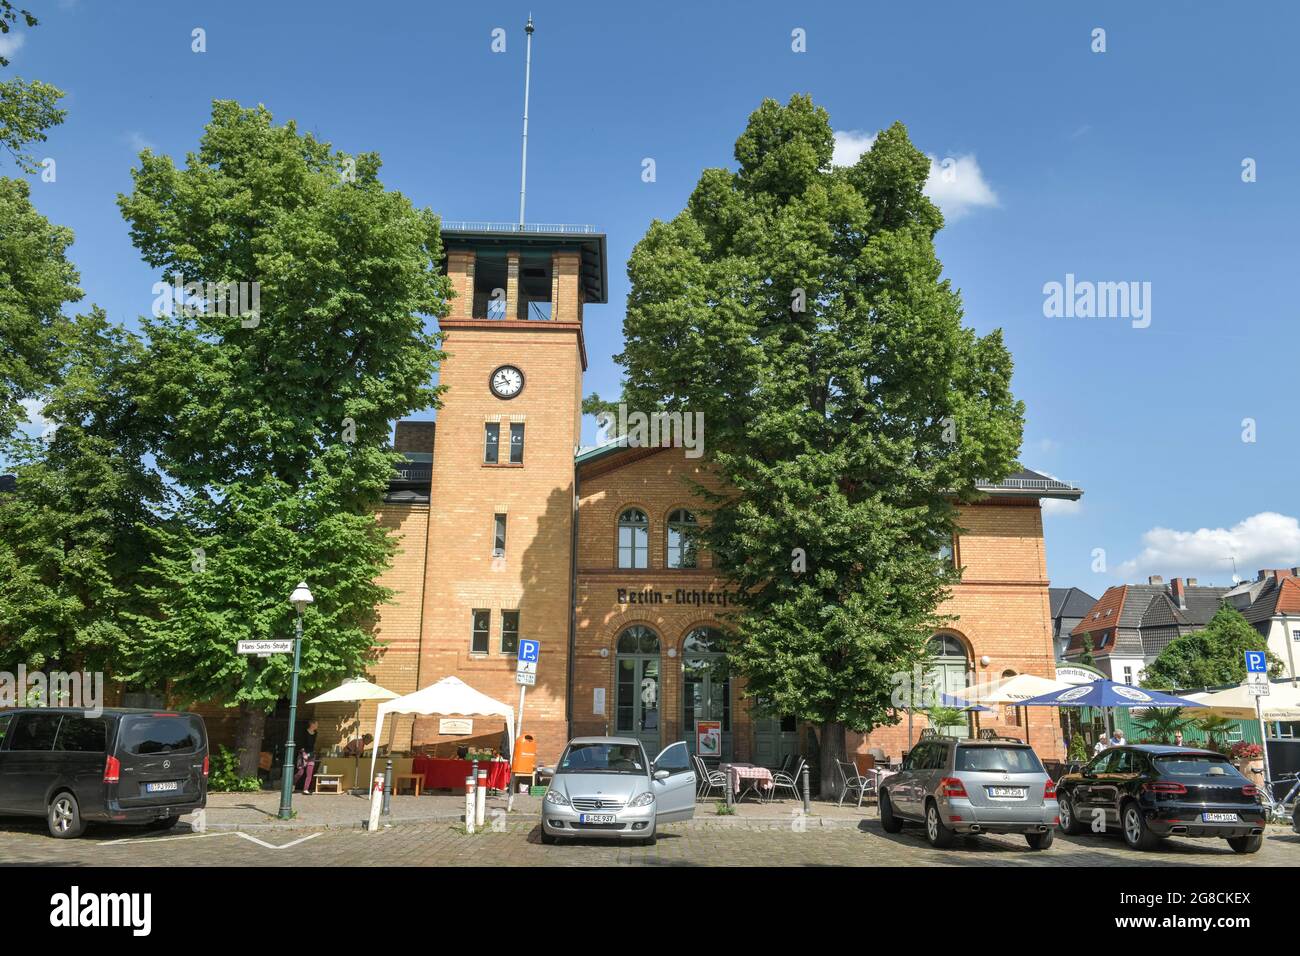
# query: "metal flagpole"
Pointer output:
{"type": "Point", "coordinates": [528, 68]}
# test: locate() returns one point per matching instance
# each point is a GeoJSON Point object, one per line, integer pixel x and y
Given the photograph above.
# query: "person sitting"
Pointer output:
{"type": "Point", "coordinates": [357, 745]}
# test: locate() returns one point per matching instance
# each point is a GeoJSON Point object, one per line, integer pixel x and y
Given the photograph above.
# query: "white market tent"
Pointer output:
{"type": "Point", "coordinates": [450, 696]}
{"type": "Point", "coordinates": [1282, 702]}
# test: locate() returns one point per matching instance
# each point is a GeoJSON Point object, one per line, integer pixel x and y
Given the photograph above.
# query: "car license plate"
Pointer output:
{"type": "Point", "coordinates": [162, 787]}
{"type": "Point", "coordinates": [597, 818]}
{"type": "Point", "coordinates": [1007, 793]}
{"type": "Point", "coordinates": [1220, 817]}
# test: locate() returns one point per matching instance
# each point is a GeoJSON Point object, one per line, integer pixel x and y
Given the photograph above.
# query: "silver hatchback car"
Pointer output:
{"type": "Point", "coordinates": [971, 786]}
{"type": "Point", "coordinates": [605, 787]}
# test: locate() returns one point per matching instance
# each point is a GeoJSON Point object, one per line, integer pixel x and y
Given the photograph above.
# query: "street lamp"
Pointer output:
{"type": "Point", "coordinates": [300, 598]}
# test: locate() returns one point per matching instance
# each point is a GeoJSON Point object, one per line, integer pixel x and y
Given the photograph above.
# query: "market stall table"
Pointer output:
{"type": "Point", "coordinates": [443, 774]}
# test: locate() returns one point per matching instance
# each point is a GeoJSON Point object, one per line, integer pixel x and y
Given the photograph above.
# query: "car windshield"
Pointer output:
{"type": "Point", "coordinates": [998, 760]}
{"type": "Point", "coordinates": [1194, 765]}
{"type": "Point", "coordinates": [603, 758]}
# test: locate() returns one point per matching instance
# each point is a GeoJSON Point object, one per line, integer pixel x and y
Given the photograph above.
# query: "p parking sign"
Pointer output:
{"type": "Point", "coordinates": [1256, 662]}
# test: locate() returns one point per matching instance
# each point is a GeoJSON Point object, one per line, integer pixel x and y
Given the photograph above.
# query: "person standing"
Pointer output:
{"type": "Point", "coordinates": [1101, 744]}
{"type": "Point", "coordinates": [305, 759]}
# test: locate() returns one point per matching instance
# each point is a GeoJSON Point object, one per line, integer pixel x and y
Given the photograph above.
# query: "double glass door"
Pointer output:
{"type": "Point", "coordinates": [637, 688]}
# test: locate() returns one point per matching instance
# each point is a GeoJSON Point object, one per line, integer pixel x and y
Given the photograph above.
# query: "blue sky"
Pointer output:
{"type": "Point", "coordinates": [1122, 166]}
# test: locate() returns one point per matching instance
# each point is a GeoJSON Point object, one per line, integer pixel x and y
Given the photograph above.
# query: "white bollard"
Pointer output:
{"type": "Point", "coordinates": [469, 805]}
{"type": "Point", "coordinates": [376, 803]}
{"type": "Point", "coordinates": [480, 799]}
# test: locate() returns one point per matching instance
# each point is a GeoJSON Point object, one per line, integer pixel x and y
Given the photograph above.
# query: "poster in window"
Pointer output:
{"type": "Point", "coordinates": [708, 738]}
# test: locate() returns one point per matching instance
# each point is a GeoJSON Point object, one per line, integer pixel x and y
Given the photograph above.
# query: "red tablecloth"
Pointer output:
{"type": "Point", "coordinates": [450, 774]}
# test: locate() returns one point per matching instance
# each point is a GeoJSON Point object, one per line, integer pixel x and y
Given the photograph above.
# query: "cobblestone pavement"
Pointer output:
{"type": "Point", "coordinates": [698, 844]}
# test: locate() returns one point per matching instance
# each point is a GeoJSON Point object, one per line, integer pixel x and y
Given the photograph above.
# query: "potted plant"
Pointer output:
{"type": "Point", "coordinates": [1249, 759]}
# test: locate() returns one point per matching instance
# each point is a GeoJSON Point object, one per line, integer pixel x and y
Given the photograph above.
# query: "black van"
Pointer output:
{"type": "Point", "coordinates": [122, 766]}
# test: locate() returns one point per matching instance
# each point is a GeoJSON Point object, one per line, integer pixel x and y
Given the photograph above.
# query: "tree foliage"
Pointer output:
{"type": "Point", "coordinates": [801, 308]}
{"type": "Point", "coordinates": [1210, 657]}
{"type": "Point", "coordinates": [272, 427]}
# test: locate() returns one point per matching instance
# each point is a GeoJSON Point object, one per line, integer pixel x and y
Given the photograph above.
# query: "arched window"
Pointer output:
{"type": "Point", "coordinates": [633, 539]}
{"type": "Point", "coordinates": [681, 539]}
{"type": "Point", "coordinates": [948, 671]}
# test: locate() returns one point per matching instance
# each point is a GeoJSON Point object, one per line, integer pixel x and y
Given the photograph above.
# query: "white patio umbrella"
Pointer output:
{"type": "Point", "coordinates": [1010, 690]}
{"type": "Point", "coordinates": [355, 690]}
{"type": "Point", "coordinates": [1282, 702]}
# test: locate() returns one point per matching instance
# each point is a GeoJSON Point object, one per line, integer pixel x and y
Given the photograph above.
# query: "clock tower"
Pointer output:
{"type": "Point", "coordinates": [500, 550]}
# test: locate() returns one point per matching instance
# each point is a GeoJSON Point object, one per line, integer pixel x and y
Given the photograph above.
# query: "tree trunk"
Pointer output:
{"type": "Point", "coordinates": [832, 749]}
{"type": "Point", "coordinates": [248, 738]}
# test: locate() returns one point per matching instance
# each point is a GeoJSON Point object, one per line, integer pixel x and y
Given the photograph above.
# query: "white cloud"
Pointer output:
{"type": "Point", "coordinates": [39, 424]}
{"type": "Point", "coordinates": [1264, 540]}
{"type": "Point", "coordinates": [956, 184]}
{"type": "Point", "coordinates": [11, 43]}
{"type": "Point", "coordinates": [1062, 507]}
{"type": "Point", "coordinates": [138, 143]}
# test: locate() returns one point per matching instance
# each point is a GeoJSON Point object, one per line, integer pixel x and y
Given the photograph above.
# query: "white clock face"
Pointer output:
{"type": "Point", "coordinates": [507, 382]}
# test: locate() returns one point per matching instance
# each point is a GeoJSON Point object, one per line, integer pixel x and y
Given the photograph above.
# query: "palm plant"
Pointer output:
{"type": "Point", "coordinates": [1161, 723]}
{"type": "Point", "coordinates": [1215, 726]}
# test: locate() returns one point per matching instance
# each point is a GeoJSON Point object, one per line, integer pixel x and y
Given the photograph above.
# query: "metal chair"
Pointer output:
{"type": "Point", "coordinates": [878, 754]}
{"type": "Point", "coordinates": [786, 781]}
{"type": "Point", "coordinates": [851, 780]}
{"type": "Point", "coordinates": [708, 778]}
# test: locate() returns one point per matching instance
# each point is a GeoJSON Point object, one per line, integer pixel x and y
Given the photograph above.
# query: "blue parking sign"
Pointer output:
{"type": "Point", "coordinates": [528, 650]}
{"type": "Point", "coordinates": [1256, 663]}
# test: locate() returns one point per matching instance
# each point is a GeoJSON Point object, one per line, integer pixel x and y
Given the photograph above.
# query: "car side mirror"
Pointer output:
{"type": "Point", "coordinates": [546, 771]}
{"type": "Point", "coordinates": [661, 775]}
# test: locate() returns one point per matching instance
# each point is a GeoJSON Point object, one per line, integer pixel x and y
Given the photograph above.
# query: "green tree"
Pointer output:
{"type": "Point", "coordinates": [1086, 656]}
{"type": "Point", "coordinates": [1209, 657]}
{"type": "Point", "coordinates": [36, 281]}
{"type": "Point", "coordinates": [71, 532]}
{"type": "Point", "coordinates": [27, 110]}
{"type": "Point", "coordinates": [273, 421]}
{"type": "Point", "coordinates": [800, 307]}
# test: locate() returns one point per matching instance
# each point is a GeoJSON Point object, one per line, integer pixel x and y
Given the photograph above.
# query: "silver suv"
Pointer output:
{"type": "Point", "coordinates": [971, 786]}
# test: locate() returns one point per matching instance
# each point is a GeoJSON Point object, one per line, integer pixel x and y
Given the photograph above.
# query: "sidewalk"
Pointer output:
{"type": "Point", "coordinates": [258, 811]}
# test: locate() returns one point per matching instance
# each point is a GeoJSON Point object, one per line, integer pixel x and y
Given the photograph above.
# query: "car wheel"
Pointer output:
{"type": "Point", "coordinates": [651, 840]}
{"type": "Point", "coordinates": [1136, 832]}
{"type": "Point", "coordinates": [1040, 841]}
{"type": "Point", "coordinates": [888, 821]}
{"type": "Point", "coordinates": [938, 834]}
{"type": "Point", "coordinates": [1246, 844]}
{"type": "Point", "coordinates": [165, 823]}
{"type": "Point", "coordinates": [1069, 820]}
{"type": "Point", "coordinates": [64, 817]}
{"type": "Point", "coordinates": [548, 839]}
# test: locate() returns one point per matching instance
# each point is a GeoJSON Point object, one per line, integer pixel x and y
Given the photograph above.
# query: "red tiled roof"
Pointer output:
{"type": "Point", "coordinates": [1097, 619]}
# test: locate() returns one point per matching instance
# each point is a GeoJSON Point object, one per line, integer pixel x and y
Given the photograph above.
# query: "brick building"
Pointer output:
{"type": "Point", "coordinates": [508, 529]}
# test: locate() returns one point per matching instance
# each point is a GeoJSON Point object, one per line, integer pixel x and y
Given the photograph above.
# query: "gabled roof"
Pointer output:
{"type": "Point", "coordinates": [1276, 596]}
{"type": "Point", "coordinates": [1070, 602]}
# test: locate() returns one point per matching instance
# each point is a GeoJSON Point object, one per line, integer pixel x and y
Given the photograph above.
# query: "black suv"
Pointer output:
{"type": "Point", "coordinates": [1152, 791]}
{"type": "Point", "coordinates": [121, 766]}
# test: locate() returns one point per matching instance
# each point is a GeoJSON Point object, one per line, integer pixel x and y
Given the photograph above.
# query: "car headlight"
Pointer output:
{"type": "Point", "coordinates": [556, 798]}
{"type": "Point", "coordinates": [644, 800]}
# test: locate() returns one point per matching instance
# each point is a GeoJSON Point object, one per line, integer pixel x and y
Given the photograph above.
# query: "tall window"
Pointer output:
{"type": "Point", "coordinates": [947, 671]}
{"type": "Point", "coordinates": [509, 632]}
{"type": "Point", "coordinates": [491, 439]}
{"type": "Point", "coordinates": [516, 443]}
{"type": "Point", "coordinates": [482, 629]}
{"type": "Point", "coordinates": [681, 539]}
{"type": "Point", "coordinates": [498, 536]}
{"type": "Point", "coordinates": [633, 539]}
{"type": "Point", "coordinates": [706, 691]}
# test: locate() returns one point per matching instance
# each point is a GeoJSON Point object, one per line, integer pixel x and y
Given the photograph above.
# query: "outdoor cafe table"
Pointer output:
{"type": "Point", "coordinates": [755, 778]}
{"type": "Point", "coordinates": [450, 774]}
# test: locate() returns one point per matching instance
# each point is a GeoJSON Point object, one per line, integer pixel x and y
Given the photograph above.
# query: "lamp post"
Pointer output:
{"type": "Point", "coordinates": [300, 598]}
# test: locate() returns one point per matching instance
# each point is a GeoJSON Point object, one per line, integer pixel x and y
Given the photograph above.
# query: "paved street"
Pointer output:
{"type": "Point", "coordinates": [698, 844]}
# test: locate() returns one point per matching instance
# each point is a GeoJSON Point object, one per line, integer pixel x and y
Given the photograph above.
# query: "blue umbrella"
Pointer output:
{"type": "Point", "coordinates": [1107, 693]}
